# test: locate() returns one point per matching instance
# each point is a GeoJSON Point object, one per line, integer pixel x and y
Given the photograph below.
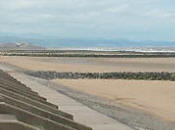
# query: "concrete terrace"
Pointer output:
{"type": "Point", "coordinates": [48, 99]}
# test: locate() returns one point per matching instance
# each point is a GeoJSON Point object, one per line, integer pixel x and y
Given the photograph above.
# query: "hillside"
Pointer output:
{"type": "Point", "coordinates": [19, 46]}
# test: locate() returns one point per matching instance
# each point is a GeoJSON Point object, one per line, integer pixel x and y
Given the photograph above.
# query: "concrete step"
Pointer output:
{"type": "Point", "coordinates": [35, 103]}
{"type": "Point", "coordinates": [24, 109]}
{"type": "Point", "coordinates": [32, 119]}
{"type": "Point", "coordinates": [40, 112]}
{"type": "Point", "coordinates": [15, 86]}
{"type": "Point", "coordinates": [9, 82]}
{"type": "Point", "coordinates": [38, 98]}
{"type": "Point", "coordinates": [21, 91]}
{"type": "Point", "coordinates": [10, 122]}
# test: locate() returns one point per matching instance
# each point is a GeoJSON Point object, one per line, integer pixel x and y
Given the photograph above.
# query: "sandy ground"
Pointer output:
{"type": "Point", "coordinates": [67, 64]}
{"type": "Point", "coordinates": [156, 97]}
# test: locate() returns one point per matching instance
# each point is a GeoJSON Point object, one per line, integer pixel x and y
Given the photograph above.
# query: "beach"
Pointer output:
{"type": "Point", "coordinates": [140, 101]}
{"type": "Point", "coordinates": [156, 97]}
{"type": "Point", "coordinates": [76, 64]}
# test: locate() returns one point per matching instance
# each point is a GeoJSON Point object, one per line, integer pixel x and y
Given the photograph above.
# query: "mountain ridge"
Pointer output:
{"type": "Point", "coordinates": [19, 46]}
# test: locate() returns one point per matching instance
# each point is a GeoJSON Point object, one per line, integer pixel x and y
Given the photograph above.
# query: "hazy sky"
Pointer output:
{"type": "Point", "coordinates": [111, 19]}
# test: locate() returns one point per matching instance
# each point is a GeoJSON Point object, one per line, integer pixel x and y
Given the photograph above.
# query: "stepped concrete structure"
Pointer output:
{"type": "Point", "coordinates": [23, 109]}
{"type": "Point", "coordinates": [39, 106]}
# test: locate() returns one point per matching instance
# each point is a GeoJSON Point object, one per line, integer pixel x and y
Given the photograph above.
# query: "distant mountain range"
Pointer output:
{"type": "Point", "coordinates": [19, 46]}
{"type": "Point", "coordinates": [81, 43]}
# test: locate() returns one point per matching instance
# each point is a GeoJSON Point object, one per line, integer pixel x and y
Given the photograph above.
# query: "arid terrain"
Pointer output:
{"type": "Point", "coordinates": [154, 97]}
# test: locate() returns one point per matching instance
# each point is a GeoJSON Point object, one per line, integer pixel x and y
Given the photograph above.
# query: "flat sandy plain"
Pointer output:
{"type": "Point", "coordinates": [156, 97]}
{"type": "Point", "coordinates": [67, 64]}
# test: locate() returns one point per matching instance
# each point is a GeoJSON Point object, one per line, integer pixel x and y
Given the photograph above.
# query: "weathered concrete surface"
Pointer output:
{"type": "Point", "coordinates": [42, 113]}
{"type": "Point", "coordinates": [32, 119]}
{"type": "Point", "coordinates": [25, 114]}
{"type": "Point", "coordinates": [35, 103]}
{"type": "Point", "coordinates": [10, 122]}
{"type": "Point", "coordinates": [81, 113]}
{"type": "Point", "coordinates": [20, 90]}
{"type": "Point", "coordinates": [23, 93]}
{"type": "Point", "coordinates": [11, 82]}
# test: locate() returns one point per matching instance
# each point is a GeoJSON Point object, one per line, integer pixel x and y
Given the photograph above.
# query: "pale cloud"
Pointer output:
{"type": "Point", "coordinates": [118, 9]}
{"type": "Point", "coordinates": [161, 13]}
{"type": "Point", "coordinates": [77, 18]}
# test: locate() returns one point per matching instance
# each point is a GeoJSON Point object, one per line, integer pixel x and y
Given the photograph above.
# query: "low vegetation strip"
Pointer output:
{"type": "Point", "coordinates": [92, 55]}
{"type": "Point", "coordinates": [108, 75]}
{"type": "Point", "coordinates": [85, 53]}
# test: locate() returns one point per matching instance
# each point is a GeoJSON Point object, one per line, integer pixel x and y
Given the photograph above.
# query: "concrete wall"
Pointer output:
{"type": "Point", "coordinates": [23, 109]}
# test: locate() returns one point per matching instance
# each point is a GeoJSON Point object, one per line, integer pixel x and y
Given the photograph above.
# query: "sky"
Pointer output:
{"type": "Point", "coordinates": [89, 19]}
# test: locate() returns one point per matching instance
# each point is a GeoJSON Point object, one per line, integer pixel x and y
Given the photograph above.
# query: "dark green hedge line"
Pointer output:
{"type": "Point", "coordinates": [110, 75]}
